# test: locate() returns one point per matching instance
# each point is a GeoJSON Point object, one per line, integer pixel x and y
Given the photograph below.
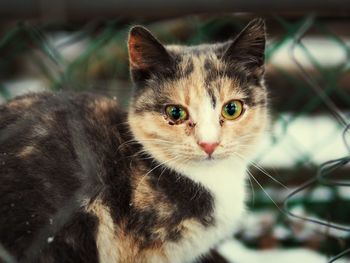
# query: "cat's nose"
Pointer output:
{"type": "Point", "coordinates": [209, 148]}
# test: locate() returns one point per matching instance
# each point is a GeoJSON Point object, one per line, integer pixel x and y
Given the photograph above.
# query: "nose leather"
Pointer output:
{"type": "Point", "coordinates": [209, 148]}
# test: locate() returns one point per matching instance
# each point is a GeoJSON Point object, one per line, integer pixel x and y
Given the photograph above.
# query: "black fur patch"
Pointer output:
{"type": "Point", "coordinates": [74, 243]}
{"type": "Point", "coordinates": [212, 257]}
{"type": "Point", "coordinates": [191, 199]}
{"type": "Point", "coordinates": [252, 97]}
{"type": "Point", "coordinates": [212, 97]}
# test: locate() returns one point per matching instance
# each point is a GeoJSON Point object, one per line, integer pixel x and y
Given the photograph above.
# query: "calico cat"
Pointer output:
{"type": "Point", "coordinates": [83, 181]}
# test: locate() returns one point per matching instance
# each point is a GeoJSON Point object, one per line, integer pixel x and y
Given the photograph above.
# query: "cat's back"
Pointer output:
{"type": "Point", "coordinates": [42, 124]}
{"type": "Point", "coordinates": [50, 109]}
{"type": "Point", "coordinates": [52, 145]}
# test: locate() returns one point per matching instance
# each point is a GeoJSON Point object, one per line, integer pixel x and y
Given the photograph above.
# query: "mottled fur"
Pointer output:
{"type": "Point", "coordinates": [82, 181]}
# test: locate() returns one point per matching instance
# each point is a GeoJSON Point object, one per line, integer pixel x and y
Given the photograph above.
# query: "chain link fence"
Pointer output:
{"type": "Point", "coordinates": [304, 157]}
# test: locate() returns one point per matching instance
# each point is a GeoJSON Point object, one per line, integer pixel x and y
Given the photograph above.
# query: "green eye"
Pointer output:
{"type": "Point", "coordinates": [176, 113]}
{"type": "Point", "coordinates": [232, 110]}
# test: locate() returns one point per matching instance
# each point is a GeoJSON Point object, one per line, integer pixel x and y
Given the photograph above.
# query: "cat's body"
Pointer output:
{"type": "Point", "coordinates": [165, 183]}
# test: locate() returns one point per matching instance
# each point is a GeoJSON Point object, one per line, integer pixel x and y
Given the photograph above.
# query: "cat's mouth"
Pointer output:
{"type": "Point", "coordinates": [210, 158]}
{"type": "Point", "coordinates": [214, 158]}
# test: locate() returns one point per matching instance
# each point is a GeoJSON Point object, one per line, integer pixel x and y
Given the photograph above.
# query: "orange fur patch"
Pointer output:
{"type": "Point", "coordinates": [26, 151]}
{"type": "Point", "coordinates": [116, 245]}
{"type": "Point", "coordinates": [22, 103]}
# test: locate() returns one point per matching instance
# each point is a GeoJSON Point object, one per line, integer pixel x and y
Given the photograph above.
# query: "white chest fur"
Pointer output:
{"type": "Point", "coordinates": [226, 182]}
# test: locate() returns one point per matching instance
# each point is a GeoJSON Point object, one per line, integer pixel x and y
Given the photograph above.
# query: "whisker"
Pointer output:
{"type": "Point", "coordinates": [253, 191]}
{"type": "Point", "coordinates": [145, 175]}
{"type": "Point", "coordinates": [262, 188]}
{"type": "Point", "coordinates": [164, 169]}
{"type": "Point", "coordinates": [134, 141]}
{"type": "Point", "coordinates": [267, 174]}
{"type": "Point", "coordinates": [262, 170]}
{"type": "Point", "coordinates": [266, 193]}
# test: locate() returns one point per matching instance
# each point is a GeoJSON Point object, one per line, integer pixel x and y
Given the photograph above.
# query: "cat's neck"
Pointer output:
{"type": "Point", "coordinates": [218, 176]}
{"type": "Point", "coordinates": [226, 182]}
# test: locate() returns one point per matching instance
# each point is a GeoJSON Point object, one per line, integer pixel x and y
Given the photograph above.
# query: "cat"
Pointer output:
{"type": "Point", "coordinates": [83, 181]}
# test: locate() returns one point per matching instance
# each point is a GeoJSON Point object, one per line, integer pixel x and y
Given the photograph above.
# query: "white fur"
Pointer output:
{"type": "Point", "coordinates": [236, 252]}
{"type": "Point", "coordinates": [226, 182]}
{"type": "Point", "coordinates": [208, 126]}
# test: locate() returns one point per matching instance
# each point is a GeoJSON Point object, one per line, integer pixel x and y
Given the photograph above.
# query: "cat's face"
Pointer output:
{"type": "Point", "coordinates": [201, 104]}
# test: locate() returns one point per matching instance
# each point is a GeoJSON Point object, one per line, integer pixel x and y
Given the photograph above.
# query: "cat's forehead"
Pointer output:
{"type": "Point", "coordinates": [201, 49]}
{"type": "Point", "coordinates": [200, 77]}
{"type": "Point", "coordinates": [205, 61]}
{"type": "Point", "coordinates": [202, 66]}
{"type": "Point", "coordinates": [201, 55]}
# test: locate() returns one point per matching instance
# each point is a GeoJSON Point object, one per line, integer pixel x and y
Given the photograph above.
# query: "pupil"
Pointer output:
{"type": "Point", "coordinates": [231, 109]}
{"type": "Point", "coordinates": [176, 113]}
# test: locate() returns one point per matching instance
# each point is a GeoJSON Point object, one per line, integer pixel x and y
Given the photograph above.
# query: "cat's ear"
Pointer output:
{"type": "Point", "coordinates": [248, 47]}
{"type": "Point", "coordinates": [146, 54]}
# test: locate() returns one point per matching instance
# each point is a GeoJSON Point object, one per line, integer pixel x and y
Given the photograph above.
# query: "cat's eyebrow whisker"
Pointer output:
{"type": "Point", "coordinates": [263, 171]}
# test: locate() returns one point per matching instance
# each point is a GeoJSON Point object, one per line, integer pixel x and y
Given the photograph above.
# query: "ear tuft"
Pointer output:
{"type": "Point", "coordinates": [249, 46]}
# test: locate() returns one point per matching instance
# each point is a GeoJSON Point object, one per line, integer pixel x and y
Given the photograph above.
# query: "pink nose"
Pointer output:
{"type": "Point", "coordinates": [209, 148]}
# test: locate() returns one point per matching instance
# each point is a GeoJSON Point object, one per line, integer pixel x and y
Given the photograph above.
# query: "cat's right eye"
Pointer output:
{"type": "Point", "coordinates": [176, 113]}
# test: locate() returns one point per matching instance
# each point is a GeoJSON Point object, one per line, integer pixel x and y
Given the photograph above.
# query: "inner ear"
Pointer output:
{"type": "Point", "coordinates": [248, 47]}
{"type": "Point", "coordinates": [146, 54]}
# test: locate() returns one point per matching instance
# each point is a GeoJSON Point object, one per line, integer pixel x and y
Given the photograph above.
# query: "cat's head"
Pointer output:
{"type": "Point", "coordinates": [193, 105]}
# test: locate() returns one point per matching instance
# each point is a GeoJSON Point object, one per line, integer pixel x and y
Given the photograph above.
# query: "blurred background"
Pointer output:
{"type": "Point", "coordinates": [81, 46]}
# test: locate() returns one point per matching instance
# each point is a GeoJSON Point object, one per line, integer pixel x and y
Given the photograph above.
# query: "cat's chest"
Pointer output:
{"type": "Point", "coordinates": [227, 186]}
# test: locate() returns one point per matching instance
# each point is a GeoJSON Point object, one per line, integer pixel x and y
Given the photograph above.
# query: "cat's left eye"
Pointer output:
{"type": "Point", "coordinates": [176, 113]}
{"type": "Point", "coordinates": [232, 110]}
